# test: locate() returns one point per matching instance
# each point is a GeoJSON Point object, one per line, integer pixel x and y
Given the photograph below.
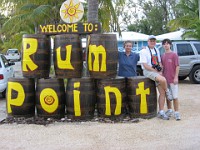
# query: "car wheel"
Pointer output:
{"type": "Point", "coordinates": [195, 75]}
{"type": "Point", "coordinates": [182, 77]}
{"type": "Point", "coordinates": [4, 93]}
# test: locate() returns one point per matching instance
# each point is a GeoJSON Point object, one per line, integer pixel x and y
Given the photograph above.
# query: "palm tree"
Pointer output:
{"type": "Point", "coordinates": [27, 15]}
{"type": "Point", "coordinates": [189, 19]}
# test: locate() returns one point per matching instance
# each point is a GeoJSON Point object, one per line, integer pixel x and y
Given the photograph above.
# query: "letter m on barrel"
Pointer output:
{"type": "Point", "coordinates": [97, 52]}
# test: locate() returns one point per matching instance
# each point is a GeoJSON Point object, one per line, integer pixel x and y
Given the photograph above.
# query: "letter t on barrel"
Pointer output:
{"type": "Point", "coordinates": [143, 103]}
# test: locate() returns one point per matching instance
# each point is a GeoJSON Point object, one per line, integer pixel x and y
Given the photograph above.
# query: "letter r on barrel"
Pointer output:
{"type": "Point", "coordinates": [30, 46]}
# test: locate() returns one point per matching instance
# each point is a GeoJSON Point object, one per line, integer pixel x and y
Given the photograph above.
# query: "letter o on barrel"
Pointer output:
{"type": "Point", "coordinates": [50, 98]}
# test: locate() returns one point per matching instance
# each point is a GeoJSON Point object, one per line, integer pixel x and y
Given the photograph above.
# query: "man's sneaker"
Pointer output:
{"type": "Point", "coordinates": [162, 116]}
{"type": "Point", "coordinates": [177, 116]}
{"type": "Point", "coordinates": [169, 95]}
{"type": "Point", "coordinates": [169, 113]}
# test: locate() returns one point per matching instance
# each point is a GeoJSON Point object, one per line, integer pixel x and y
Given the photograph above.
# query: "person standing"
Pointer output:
{"type": "Point", "coordinates": [170, 63]}
{"type": "Point", "coordinates": [128, 61]}
{"type": "Point", "coordinates": [152, 68]}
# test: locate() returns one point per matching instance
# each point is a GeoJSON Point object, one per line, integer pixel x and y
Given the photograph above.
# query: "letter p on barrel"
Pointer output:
{"type": "Point", "coordinates": [21, 97]}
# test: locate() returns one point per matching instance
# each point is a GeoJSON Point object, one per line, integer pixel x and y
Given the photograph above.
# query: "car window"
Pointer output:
{"type": "Point", "coordinates": [197, 46]}
{"type": "Point", "coordinates": [162, 50]}
{"type": "Point", "coordinates": [0, 63]}
{"type": "Point", "coordinates": [13, 51]}
{"type": "Point", "coordinates": [184, 50]}
{"type": "Point", "coordinates": [5, 61]}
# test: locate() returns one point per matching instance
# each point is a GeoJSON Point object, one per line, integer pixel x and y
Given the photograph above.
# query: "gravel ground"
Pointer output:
{"type": "Point", "coordinates": [146, 134]}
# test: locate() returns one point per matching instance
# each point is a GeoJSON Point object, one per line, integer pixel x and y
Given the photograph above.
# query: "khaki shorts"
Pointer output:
{"type": "Point", "coordinates": [173, 88]}
{"type": "Point", "coordinates": [151, 75]}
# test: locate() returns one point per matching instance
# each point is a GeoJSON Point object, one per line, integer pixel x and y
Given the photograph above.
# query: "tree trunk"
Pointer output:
{"type": "Point", "coordinates": [92, 15]}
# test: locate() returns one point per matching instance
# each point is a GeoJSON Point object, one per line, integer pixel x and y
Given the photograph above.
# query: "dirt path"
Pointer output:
{"type": "Point", "coordinates": [147, 134]}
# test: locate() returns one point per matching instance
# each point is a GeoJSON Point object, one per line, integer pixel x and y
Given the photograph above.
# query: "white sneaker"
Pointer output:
{"type": "Point", "coordinates": [162, 116]}
{"type": "Point", "coordinates": [169, 113]}
{"type": "Point", "coordinates": [177, 116]}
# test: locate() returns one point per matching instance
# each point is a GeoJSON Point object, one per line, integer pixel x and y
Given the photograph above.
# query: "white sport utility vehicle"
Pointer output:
{"type": "Point", "coordinates": [13, 54]}
{"type": "Point", "coordinates": [6, 71]}
{"type": "Point", "coordinates": [189, 57]}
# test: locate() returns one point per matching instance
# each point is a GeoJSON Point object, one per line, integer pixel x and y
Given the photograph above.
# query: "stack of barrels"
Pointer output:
{"type": "Point", "coordinates": [69, 93]}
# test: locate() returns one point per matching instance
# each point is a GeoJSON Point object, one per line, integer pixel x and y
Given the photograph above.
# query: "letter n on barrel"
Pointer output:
{"type": "Point", "coordinates": [111, 94]}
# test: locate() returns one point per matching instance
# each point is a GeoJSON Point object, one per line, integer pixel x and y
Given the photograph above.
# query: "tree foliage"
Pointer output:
{"type": "Point", "coordinates": [156, 15]}
{"type": "Point", "coordinates": [26, 15]}
{"type": "Point", "coordinates": [189, 19]}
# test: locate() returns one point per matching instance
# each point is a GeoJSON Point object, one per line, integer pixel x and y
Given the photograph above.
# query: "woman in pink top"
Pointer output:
{"type": "Point", "coordinates": [170, 64]}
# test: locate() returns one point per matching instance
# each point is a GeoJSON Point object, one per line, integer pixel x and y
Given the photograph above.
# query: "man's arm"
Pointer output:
{"type": "Point", "coordinates": [147, 67]}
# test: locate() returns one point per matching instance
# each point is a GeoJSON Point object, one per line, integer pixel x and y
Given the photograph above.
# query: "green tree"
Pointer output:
{"type": "Point", "coordinates": [156, 15]}
{"type": "Point", "coordinates": [189, 19]}
{"type": "Point", "coordinates": [26, 15]}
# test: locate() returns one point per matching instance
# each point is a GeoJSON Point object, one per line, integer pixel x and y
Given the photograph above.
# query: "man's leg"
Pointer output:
{"type": "Point", "coordinates": [161, 102]}
{"type": "Point", "coordinates": [161, 98]}
{"type": "Point", "coordinates": [162, 82]}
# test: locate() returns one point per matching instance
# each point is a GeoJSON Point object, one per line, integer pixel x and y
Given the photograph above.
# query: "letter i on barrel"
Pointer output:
{"type": "Point", "coordinates": [21, 97]}
{"type": "Point", "coordinates": [80, 98]}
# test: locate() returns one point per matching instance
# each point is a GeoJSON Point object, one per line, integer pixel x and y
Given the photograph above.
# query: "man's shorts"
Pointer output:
{"type": "Point", "coordinates": [151, 74]}
{"type": "Point", "coordinates": [173, 88]}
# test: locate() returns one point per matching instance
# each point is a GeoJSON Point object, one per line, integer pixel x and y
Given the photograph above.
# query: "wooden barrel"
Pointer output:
{"type": "Point", "coordinates": [50, 98]}
{"type": "Point", "coordinates": [36, 56]}
{"type": "Point", "coordinates": [80, 98]}
{"type": "Point", "coordinates": [21, 97]}
{"type": "Point", "coordinates": [102, 57]}
{"type": "Point", "coordinates": [68, 56]}
{"type": "Point", "coordinates": [111, 97]}
{"type": "Point", "coordinates": [142, 97]}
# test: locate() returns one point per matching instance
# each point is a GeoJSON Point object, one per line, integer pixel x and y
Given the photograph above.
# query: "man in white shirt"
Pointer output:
{"type": "Point", "coordinates": [152, 68]}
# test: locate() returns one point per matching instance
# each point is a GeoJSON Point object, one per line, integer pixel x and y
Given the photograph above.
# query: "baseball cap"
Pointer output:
{"type": "Point", "coordinates": [151, 37]}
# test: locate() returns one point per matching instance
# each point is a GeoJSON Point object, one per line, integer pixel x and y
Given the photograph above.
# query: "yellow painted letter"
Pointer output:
{"type": "Point", "coordinates": [143, 92]}
{"type": "Point", "coordinates": [100, 50]}
{"type": "Point", "coordinates": [29, 50]}
{"type": "Point", "coordinates": [118, 95]}
{"type": "Point", "coordinates": [19, 100]}
{"type": "Point", "coordinates": [77, 108]}
{"type": "Point", "coordinates": [64, 64]}
{"type": "Point", "coordinates": [49, 100]}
